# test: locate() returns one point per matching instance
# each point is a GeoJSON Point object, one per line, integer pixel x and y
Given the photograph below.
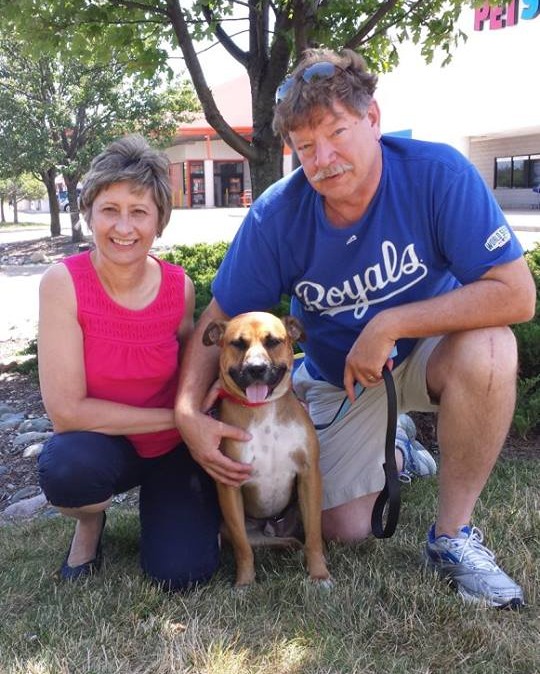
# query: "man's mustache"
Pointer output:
{"type": "Point", "coordinates": [330, 171]}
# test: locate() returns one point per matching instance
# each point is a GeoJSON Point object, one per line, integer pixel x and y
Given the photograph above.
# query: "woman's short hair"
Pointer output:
{"type": "Point", "coordinates": [130, 159]}
{"type": "Point", "coordinates": [311, 90]}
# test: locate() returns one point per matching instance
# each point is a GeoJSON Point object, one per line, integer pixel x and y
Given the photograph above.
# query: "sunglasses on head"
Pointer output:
{"type": "Point", "coordinates": [321, 70]}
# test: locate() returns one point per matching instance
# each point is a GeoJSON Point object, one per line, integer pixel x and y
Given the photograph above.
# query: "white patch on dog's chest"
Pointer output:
{"type": "Point", "coordinates": [276, 452]}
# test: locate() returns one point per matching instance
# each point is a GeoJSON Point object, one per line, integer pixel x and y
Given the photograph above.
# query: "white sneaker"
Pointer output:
{"type": "Point", "coordinates": [471, 568]}
{"type": "Point", "coordinates": [417, 461]}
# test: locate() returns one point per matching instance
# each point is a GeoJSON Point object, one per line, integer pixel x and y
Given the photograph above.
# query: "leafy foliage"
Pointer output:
{"type": "Point", "coordinates": [527, 416]}
{"type": "Point", "coordinates": [59, 109]}
{"type": "Point", "coordinates": [24, 186]}
{"type": "Point", "coordinates": [201, 262]}
{"type": "Point", "coordinates": [142, 31]}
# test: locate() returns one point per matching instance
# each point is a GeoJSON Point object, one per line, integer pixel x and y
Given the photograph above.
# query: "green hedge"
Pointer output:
{"type": "Point", "coordinates": [527, 416]}
{"type": "Point", "coordinates": [201, 263]}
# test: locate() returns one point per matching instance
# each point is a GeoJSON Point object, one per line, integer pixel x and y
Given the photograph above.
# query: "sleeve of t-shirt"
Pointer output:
{"type": "Point", "coordinates": [471, 229]}
{"type": "Point", "coordinates": [248, 278]}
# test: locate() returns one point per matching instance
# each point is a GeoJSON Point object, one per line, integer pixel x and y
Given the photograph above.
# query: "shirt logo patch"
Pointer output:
{"type": "Point", "coordinates": [498, 239]}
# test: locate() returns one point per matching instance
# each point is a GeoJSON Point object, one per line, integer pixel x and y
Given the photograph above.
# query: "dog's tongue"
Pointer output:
{"type": "Point", "coordinates": [256, 393]}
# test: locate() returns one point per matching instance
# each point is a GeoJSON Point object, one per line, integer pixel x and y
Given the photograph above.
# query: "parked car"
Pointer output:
{"type": "Point", "coordinates": [63, 203]}
{"type": "Point", "coordinates": [63, 200]}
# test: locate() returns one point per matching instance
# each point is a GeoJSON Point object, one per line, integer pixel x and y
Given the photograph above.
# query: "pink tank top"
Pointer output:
{"type": "Point", "coordinates": [131, 356]}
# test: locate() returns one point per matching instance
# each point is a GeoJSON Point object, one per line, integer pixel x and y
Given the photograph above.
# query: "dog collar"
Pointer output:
{"type": "Point", "coordinates": [222, 393]}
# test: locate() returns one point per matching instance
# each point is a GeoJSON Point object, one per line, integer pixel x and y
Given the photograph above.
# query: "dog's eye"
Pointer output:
{"type": "Point", "coordinates": [239, 344]}
{"type": "Point", "coordinates": [271, 342]}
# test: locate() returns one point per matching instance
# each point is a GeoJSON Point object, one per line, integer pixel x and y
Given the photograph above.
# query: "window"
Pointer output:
{"type": "Point", "coordinates": [522, 171]}
{"type": "Point", "coordinates": [503, 172]}
{"type": "Point", "coordinates": [534, 170]}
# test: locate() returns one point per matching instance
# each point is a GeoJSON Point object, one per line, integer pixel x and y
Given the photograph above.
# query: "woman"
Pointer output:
{"type": "Point", "coordinates": [113, 325]}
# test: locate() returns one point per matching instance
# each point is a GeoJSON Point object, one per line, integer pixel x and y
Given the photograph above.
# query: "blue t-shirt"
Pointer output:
{"type": "Point", "coordinates": [431, 226]}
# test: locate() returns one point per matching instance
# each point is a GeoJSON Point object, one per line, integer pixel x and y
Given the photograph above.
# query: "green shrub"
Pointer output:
{"type": "Point", "coordinates": [201, 262]}
{"type": "Point", "coordinates": [527, 415]}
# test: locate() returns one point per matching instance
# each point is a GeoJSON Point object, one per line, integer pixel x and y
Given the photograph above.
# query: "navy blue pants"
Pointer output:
{"type": "Point", "coordinates": [178, 505]}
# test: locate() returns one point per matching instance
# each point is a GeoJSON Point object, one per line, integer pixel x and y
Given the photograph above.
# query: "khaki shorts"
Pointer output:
{"type": "Point", "coordinates": [352, 448]}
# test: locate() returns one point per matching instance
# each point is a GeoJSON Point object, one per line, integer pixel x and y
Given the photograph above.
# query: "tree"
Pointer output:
{"type": "Point", "coordinates": [278, 32]}
{"type": "Point", "coordinates": [25, 186]}
{"type": "Point", "coordinates": [67, 108]}
{"type": "Point", "coordinates": [22, 143]}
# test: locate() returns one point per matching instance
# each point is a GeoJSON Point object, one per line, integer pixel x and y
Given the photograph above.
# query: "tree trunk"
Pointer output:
{"type": "Point", "coordinates": [76, 226]}
{"type": "Point", "coordinates": [2, 213]}
{"type": "Point", "coordinates": [48, 179]}
{"type": "Point", "coordinates": [267, 167]}
{"type": "Point", "coordinates": [15, 210]}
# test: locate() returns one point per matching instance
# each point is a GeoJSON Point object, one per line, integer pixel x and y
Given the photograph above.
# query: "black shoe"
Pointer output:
{"type": "Point", "coordinates": [87, 568]}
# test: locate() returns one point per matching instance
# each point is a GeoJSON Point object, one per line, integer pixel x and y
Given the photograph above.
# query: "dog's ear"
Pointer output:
{"type": "Point", "coordinates": [294, 328]}
{"type": "Point", "coordinates": [214, 332]}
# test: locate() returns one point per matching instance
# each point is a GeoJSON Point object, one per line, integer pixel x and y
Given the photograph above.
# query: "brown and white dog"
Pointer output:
{"type": "Point", "coordinates": [255, 368]}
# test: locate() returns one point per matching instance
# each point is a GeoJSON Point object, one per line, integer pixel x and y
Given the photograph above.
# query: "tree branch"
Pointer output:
{"type": "Point", "coordinates": [224, 39]}
{"type": "Point", "coordinates": [211, 111]}
{"type": "Point", "coordinates": [383, 9]}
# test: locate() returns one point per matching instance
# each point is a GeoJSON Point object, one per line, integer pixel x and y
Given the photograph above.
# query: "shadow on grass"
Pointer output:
{"type": "Point", "coordinates": [384, 614]}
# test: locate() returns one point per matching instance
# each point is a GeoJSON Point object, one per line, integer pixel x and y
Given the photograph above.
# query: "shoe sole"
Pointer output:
{"type": "Point", "coordinates": [514, 604]}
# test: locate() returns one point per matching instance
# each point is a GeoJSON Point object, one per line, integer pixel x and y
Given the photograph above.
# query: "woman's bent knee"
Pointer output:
{"type": "Point", "coordinates": [76, 469]}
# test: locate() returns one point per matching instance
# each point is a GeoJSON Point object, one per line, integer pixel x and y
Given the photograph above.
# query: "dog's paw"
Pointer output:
{"type": "Point", "coordinates": [240, 590]}
{"type": "Point", "coordinates": [322, 583]}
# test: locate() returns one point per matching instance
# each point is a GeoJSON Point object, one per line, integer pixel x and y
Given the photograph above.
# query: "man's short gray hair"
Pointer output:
{"type": "Point", "coordinates": [130, 159]}
{"type": "Point", "coordinates": [305, 102]}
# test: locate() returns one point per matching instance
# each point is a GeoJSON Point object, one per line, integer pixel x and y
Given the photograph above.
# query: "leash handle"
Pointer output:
{"type": "Point", "coordinates": [390, 494]}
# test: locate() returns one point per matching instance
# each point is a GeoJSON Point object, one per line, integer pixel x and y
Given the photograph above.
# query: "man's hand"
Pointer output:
{"type": "Point", "coordinates": [367, 357]}
{"type": "Point", "coordinates": [202, 434]}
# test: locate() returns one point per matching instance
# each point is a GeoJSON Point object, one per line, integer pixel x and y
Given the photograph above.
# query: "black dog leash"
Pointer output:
{"type": "Point", "coordinates": [389, 498]}
{"type": "Point", "coordinates": [390, 494]}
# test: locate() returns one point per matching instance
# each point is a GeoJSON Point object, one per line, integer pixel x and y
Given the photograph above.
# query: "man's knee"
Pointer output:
{"type": "Point", "coordinates": [484, 358]}
{"type": "Point", "coordinates": [350, 522]}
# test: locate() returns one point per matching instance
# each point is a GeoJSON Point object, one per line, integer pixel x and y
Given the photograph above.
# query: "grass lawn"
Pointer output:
{"type": "Point", "coordinates": [384, 614]}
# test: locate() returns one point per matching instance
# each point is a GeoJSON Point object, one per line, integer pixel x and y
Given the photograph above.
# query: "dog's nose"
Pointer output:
{"type": "Point", "coordinates": [256, 371]}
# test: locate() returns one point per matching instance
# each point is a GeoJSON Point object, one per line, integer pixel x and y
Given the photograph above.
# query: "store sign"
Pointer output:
{"type": "Point", "coordinates": [507, 15]}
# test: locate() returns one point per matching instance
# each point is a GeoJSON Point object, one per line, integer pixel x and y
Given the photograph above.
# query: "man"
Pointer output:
{"type": "Point", "coordinates": [382, 243]}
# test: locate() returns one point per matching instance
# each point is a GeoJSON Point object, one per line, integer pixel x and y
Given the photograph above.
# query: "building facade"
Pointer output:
{"type": "Point", "coordinates": [484, 102]}
{"type": "Point", "coordinates": [205, 171]}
